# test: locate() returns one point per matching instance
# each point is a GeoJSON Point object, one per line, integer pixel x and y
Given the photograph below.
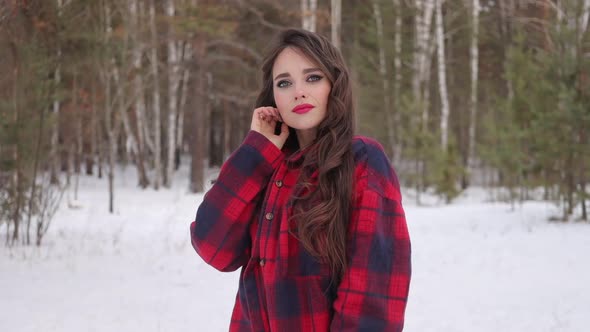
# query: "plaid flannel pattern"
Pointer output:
{"type": "Point", "coordinates": [243, 223]}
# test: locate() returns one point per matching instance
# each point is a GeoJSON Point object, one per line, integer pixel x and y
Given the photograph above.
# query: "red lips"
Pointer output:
{"type": "Point", "coordinates": [303, 108]}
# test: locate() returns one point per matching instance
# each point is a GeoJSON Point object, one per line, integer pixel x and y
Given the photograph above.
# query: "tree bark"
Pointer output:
{"type": "Point", "coordinates": [442, 77]}
{"type": "Point", "coordinates": [186, 55]}
{"type": "Point", "coordinates": [474, 54]}
{"type": "Point", "coordinates": [109, 116]}
{"type": "Point", "coordinates": [384, 76]}
{"type": "Point", "coordinates": [174, 76]}
{"type": "Point", "coordinates": [309, 14]}
{"type": "Point", "coordinates": [336, 17]}
{"type": "Point", "coordinates": [137, 53]}
{"type": "Point", "coordinates": [156, 98]}
{"type": "Point", "coordinates": [197, 142]}
{"type": "Point", "coordinates": [397, 153]}
{"type": "Point", "coordinates": [422, 54]}
{"type": "Point", "coordinates": [16, 176]}
{"type": "Point", "coordinates": [54, 151]}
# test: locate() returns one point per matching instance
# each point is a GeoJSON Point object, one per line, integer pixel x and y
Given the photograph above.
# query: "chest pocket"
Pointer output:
{"type": "Point", "coordinates": [295, 260]}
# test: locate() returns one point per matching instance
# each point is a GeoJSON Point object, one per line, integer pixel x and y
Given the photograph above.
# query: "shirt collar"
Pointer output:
{"type": "Point", "coordinates": [295, 157]}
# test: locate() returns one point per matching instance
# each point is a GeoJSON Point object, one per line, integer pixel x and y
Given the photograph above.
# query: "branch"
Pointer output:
{"type": "Point", "coordinates": [244, 102]}
{"type": "Point", "coordinates": [232, 59]}
{"type": "Point", "coordinates": [259, 14]}
{"type": "Point", "coordinates": [234, 44]}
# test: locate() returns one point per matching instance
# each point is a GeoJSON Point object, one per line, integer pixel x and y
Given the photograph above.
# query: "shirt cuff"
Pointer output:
{"type": "Point", "coordinates": [270, 152]}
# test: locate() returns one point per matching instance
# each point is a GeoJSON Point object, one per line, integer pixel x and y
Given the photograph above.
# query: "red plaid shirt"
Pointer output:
{"type": "Point", "coordinates": [243, 223]}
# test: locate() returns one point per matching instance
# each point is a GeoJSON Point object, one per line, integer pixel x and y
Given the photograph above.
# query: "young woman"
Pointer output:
{"type": "Point", "coordinates": [310, 213]}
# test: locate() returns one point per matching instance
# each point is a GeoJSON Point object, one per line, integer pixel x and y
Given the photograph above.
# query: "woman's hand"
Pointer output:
{"type": "Point", "coordinates": [264, 121]}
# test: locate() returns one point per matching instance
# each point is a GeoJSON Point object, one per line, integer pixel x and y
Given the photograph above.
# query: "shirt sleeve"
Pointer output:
{"type": "Point", "coordinates": [373, 292]}
{"type": "Point", "coordinates": [220, 233]}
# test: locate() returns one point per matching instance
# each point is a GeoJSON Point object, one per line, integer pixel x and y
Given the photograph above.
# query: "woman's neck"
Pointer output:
{"type": "Point", "coordinates": [306, 137]}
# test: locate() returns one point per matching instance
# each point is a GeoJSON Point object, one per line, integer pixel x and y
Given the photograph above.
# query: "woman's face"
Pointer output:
{"type": "Point", "coordinates": [300, 90]}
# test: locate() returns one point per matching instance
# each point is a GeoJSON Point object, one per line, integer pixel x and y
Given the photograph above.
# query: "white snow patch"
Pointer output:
{"type": "Point", "coordinates": [477, 266]}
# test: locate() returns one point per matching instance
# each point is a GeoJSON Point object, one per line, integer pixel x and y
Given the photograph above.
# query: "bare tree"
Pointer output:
{"type": "Point", "coordinates": [198, 140]}
{"type": "Point", "coordinates": [140, 122]}
{"type": "Point", "coordinates": [309, 14]}
{"type": "Point", "coordinates": [442, 76]}
{"type": "Point", "coordinates": [156, 97]}
{"type": "Point", "coordinates": [423, 46]}
{"type": "Point", "coordinates": [474, 55]}
{"type": "Point", "coordinates": [174, 77]}
{"type": "Point", "coordinates": [397, 153]}
{"type": "Point", "coordinates": [54, 165]}
{"type": "Point", "coordinates": [186, 55]}
{"type": "Point", "coordinates": [336, 9]}
{"type": "Point", "coordinates": [111, 119]}
{"type": "Point", "coordinates": [384, 74]}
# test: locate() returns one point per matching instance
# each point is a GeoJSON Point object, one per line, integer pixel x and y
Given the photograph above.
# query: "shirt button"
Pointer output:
{"type": "Point", "coordinates": [279, 183]}
{"type": "Point", "coordinates": [262, 261]}
{"type": "Point", "coordinates": [269, 216]}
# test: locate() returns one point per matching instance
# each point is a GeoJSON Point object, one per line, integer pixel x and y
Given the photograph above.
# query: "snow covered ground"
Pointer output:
{"type": "Point", "coordinates": [477, 267]}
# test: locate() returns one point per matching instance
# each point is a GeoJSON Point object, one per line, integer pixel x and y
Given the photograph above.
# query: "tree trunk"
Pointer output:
{"type": "Point", "coordinates": [173, 83]}
{"type": "Point", "coordinates": [584, 20]}
{"type": "Point", "coordinates": [309, 14]}
{"type": "Point", "coordinates": [384, 76]}
{"type": "Point", "coordinates": [186, 55]}
{"type": "Point", "coordinates": [313, 4]}
{"type": "Point", "coordinates": [138, 87]}
{"type": "Point", "coordinates": [156, 97]}
{"type": "Point", "coordinates": [474, 54]}
{"type": "Point", "coordinates": [227, 129]}
{"type": "Point", "coordinates": [442, 77]}
{"type": "Point", "coordinates": [336, 8]}
{"type": "Point", "coordinates": [420, 82]}
{"type": "Point", "coordinates": [54, 151]}
{"type": "Point", "coordinates": [78, 145]}
{"type": "Point", "coordinates": [16, 176]}
{"type": "Point", "coordinates": [35, 169]}
{"type": "Point", "coordinates": [304, 14]}
{"type": "Point", "coordinates": [197, 142]}
{"type": "Point", "coordinates": [108, 117]}
{"type": "Point", "coordinates": [397, 153]}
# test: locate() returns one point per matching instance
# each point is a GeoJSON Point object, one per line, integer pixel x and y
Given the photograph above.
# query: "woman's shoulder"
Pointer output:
{"type": "Point", "coordinates": [372, 162]}
{"type": "Point", "coordinates": [367, 149]}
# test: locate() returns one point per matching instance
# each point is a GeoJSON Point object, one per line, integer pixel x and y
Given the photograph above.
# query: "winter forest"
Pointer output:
{"type": "Point", "coordinates": [115, 116]}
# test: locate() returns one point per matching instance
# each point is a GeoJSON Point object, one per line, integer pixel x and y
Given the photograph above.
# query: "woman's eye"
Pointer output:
{"type": "Point", "coordinates": [313, 78]}
{"type": "Point", "coordinates": [282, 84]}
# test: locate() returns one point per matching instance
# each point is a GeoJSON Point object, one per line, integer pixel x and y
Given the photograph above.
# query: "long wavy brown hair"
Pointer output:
{"type": "Point", "coordinates": [322, 212]}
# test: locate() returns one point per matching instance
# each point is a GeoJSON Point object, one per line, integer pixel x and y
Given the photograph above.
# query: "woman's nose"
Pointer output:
{"type": "Point", "coordinates": [300, 94]}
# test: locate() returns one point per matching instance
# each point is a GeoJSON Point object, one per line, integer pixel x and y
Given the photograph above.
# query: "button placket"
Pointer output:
{"type": "Point", "coordinates": [269, 215]}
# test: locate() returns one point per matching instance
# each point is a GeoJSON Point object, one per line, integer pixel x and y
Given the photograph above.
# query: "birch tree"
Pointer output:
{"type": "Point", "coordinates": [474, 56]}
{"type": "Point", "coordinates": [309, 14]}
{"type": "Point", "coordinates": [383, 72]}
{"type": "Point", "coordinates": [423, 46]}
{"type": "Point", "coordinates": [155, 96]}
{"type": "Point", "coordinates": [397, 80]}
{"type": "Point", "coordinates": [174, 76]}
{"type": "Point", "coordinates": [138, 91]}
{"type": "Point", "coordinates": [110, 117]}
{"type": "Point", "coordinates": [336, 18]}
{"type": "Point", "coordinates": [186, 55]}
{"type": "Point", "coordinates": [55, 161]}
{"type": "Point", "coordinates": [442, 76]}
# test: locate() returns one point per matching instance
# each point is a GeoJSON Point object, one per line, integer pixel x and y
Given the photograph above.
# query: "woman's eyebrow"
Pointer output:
{"type": "Point", "coordinates": [305, 71]}
{"type": "Point", "coordinates": [309, 70]}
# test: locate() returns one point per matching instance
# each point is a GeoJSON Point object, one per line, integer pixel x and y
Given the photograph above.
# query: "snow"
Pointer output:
{"type": "Point", "coordinates": [477, 266]}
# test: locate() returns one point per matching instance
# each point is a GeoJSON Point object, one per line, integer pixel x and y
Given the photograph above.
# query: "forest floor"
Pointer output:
{"type": "Point", "coordinates": [478, 266]}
